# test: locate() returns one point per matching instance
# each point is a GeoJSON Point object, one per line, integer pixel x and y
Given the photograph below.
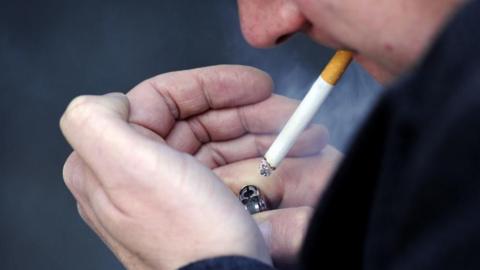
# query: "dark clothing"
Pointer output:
{"type": "Point", "coordinates": [407, 196]}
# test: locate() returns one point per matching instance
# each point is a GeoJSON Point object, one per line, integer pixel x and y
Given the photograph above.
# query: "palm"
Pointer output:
{"type": "Point", "coordinates": [226, 117]}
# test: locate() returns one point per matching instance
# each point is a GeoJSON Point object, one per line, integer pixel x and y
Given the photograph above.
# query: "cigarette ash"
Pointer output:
{"type": "Point", "coordinates": [265, 168]}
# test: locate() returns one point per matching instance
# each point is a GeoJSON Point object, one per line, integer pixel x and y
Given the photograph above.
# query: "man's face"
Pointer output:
{"type": "Point", "coordinates": [266, 23]}
{"type": "Point", "coordinates": [357, 25]}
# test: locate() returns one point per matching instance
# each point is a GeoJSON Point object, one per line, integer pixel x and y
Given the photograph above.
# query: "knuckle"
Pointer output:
{"type": "Point", "coordinates": [80, 104]}
{"type": "Point", "coordinates": [217, 157]}
{"type": "Point", "coordinates": [69, 170]}
{"type": "Point", "coordinates": [262, 144]}
{"type": "Point", "coordinates": [79, 109]}
{"type": "Point", "coordinates": [66, 173]}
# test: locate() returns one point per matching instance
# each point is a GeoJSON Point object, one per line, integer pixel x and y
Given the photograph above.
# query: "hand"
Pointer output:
{"type": "Point", "coordinates": [292, 190]}
{"type": "Point", "coordinates": [141, 196]}
{"type": "Point", "coordinates": [231, 142]}
{"type": "Point", "coordinates": [154, 206]}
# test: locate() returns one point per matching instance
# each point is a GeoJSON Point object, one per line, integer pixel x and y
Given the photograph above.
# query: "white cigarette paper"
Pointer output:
{"type": "Point", "coordinates": [298, 122]}
{"type": "Point", "coordinates": [305, 112]}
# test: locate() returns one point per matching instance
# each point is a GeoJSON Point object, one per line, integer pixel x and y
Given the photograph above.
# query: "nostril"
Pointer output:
{"type": "Point", "coordinates": [282, 38]}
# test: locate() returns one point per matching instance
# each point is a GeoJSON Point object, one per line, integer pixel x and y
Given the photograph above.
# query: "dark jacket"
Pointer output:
{"type": "Point", "coordinates": [407, 196]}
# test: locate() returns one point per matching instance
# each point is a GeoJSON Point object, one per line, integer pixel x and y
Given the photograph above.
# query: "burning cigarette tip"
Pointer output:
{"type": "Point", "coordinates": [305, 112]}
{"type": "Point", "coordinates": [265, 168]}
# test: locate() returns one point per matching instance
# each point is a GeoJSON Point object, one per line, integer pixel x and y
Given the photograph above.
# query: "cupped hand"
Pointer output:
{"type": "Point", "coordinates": [141, 170]}
{"type": "Point", "coordinates": [230, 138]}
{"type": "Point", "coordinates": [293, 190]}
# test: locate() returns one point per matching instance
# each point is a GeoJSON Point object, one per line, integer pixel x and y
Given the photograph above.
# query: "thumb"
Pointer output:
{"type": "Point", "coordinates": [97, 128]}
{"type": "Point", "coordinates": [284, 231]}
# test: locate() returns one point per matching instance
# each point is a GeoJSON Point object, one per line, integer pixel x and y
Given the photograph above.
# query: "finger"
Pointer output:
{"type": "Point", "coordinates": [216, 154]}
{"type": "Point", "coordinates": [296, 182]}
{"type": "Point", "coordinates": [147, 133]}
{"type": "Point", "coordinates": [243, 173]}
{"type": "Point", "coordinates": [158, 102]}
{"type": "Point", "coordinates": [85, 187]}
{"type": "Point", "coordinates": [126, 257]}
{"type": "Point", "coordinates": [266, 117]}
{"type": "Point", "coordinates": [96, 209]}
{"type": "Point", "coordinates": [96, 128]}
{"type": "Point", "coordinates": [77, 174]}
{"type": "Point", "coordinates": [74, 175]}
{"type": "Point", "coordinates": [284, 231]}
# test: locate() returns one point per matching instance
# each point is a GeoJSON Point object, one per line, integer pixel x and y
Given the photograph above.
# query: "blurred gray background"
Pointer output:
{"type": "Point", "coordinates": [54, 50]}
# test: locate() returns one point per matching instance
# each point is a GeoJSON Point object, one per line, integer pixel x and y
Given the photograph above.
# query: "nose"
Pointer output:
{"type": "Point", "coordinates": [266, 23]}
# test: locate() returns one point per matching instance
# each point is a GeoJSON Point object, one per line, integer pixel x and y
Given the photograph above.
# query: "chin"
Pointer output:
{"type": "Point", "coordinates": [379, 73]}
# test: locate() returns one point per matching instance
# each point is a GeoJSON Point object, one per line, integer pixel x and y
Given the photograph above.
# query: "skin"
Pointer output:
{"type": "Point", "coordinates": [155, 172]}
{"type": "Point", "coordinates": [387, 36]}
{"type": "Point", "coordinates": [149, 164]}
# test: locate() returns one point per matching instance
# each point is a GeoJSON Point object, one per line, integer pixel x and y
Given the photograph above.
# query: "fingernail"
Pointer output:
{"type": "Point", "coordinates": [114, 94]}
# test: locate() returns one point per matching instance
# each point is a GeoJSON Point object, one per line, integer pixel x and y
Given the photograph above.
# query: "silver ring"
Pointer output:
{"type": "Point", "coordinates": [252, 199]}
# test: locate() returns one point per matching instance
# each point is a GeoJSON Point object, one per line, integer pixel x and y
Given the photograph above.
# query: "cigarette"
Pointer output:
{"type": "Point", "coordinates": [305, 111]}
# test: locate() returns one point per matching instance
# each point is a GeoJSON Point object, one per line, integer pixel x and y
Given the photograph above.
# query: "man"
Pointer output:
{"type": "Point", "coordinates": [148, 169]}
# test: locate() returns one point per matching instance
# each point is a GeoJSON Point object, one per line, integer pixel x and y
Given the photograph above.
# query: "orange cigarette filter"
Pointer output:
{"type": "Point", "coordinates": [337, 66]}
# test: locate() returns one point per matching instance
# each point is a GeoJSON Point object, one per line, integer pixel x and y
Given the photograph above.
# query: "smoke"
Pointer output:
{"type": "Point", "coordinates": [53, 50]}
{"type": "Point", "coordinates": [295, 65]}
